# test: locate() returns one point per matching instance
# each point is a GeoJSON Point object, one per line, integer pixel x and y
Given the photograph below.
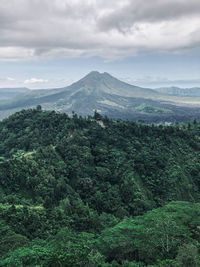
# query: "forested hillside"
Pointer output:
{"type": "Point", "coordinates": [98, 192]}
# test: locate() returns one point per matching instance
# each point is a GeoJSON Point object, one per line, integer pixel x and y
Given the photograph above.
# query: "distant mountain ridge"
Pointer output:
{"type": "Point", "coordinates": [194, 91]}
{"type": "Point", "coordinates": [9, 93]}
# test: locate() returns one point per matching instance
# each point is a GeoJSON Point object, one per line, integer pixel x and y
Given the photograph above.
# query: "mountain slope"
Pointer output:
{"type": "Point", "coordinates": [162, 161]}
{"type": "Point", "coordinates": [96, 192]}
{"type": "Point", "coordinates": [109, 96]}
{"type": "Point", "coordinates": [96, 82]}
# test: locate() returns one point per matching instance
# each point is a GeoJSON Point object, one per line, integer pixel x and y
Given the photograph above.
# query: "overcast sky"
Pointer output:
{"type": "Point", "coordinates": [51, 43]}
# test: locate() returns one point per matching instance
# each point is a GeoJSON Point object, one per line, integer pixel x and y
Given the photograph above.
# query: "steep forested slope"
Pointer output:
{"type": "Point", "coordinates": [80, 191]}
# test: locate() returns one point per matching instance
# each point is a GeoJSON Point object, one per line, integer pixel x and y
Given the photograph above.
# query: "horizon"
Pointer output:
{"type": "Point", "coordinates": [93, 71]}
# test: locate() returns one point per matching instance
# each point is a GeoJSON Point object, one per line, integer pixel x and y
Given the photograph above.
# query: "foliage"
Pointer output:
{"type": "Point", "coordinates": [94, 191]}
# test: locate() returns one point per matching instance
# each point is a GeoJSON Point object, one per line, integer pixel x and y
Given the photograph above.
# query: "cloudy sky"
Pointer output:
{"type": "Point", "coordinates": [46, 44]}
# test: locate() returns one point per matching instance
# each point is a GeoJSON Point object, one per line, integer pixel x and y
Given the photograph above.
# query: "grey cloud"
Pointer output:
{"type": "Point", "coordinates": [136, 11]}
{"type": "Point", "coordinates": [109, 29]}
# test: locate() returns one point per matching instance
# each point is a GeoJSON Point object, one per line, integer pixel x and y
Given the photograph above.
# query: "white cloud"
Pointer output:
{"type": "Point", "coordinates": [35, 80]}
{"type": "Point", "coordinates": [10, 79]}
{"type": "Point", "coordinates": [110, 29]}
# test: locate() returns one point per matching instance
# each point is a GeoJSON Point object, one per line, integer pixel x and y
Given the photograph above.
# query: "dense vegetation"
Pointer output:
{"type": "Point", "coordinates": [98, 192]}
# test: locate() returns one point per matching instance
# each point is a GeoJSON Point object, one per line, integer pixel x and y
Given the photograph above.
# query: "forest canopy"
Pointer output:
{"type": "Point", "coordinates": [91, 191]}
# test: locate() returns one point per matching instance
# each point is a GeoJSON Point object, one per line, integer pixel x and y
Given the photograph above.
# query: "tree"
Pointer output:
{"type": "Point", "coordinates": [97, 116]}
{"type": "Point", "coordinates": [188, 256]}
{"type": "Point", "coordinates": [39, 107]}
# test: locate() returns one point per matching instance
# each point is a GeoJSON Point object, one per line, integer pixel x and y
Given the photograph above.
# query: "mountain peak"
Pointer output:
{"type": "Point", "coordinates": [93, 73]}
{"type": "Point", "coordinates": [95, 77]}
{"type": "Point", "coordinates": [106, 73]}
{"type": "Point", "coordinates": [98, 83]}
{"type": "Point", "coordinates": [97, 74]}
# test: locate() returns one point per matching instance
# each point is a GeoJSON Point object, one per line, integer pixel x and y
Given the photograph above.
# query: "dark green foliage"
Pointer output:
{"type": "Point", "coordinates": [188, 256]}
{"type": "Point", "coordinates": [97, 192]}
{"type": "Point", "coordinates": [156, 235]}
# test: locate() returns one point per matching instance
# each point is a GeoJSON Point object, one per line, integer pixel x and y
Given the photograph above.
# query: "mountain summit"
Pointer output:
{"type": "Point", "coordinates": [104, 82]}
